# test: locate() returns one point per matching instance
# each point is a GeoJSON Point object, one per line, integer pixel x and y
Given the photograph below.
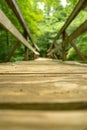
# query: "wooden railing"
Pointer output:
{"type": "Point", "coordinates": [13, 5]}
{"type": "Point", "coordinates": [69, 39]}
{"type": "Point", "coordinates": [22, 38]}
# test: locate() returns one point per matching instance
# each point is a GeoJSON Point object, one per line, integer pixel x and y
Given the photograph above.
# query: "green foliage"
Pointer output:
{"type": "Point", "coordinates": [72, 55]}
{"type": "Point", "coordinates": [32, 14]}
{"type": "Point", "coordinates": [19, 54]}
{"type": "Point", "coordinates": [44, 42]}
{"type": "Point", "coordinates": [77, 21]}
{"type": "Point", "coordinates": [81, 41]}
{"type": "Point", "coordinates": [3, 44]}
{"type": "Point", "coordinates": [44, 18]}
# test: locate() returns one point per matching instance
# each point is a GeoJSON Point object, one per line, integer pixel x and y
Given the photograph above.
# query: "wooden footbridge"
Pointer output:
{"type": "Point", "coordinates": [44, 93]}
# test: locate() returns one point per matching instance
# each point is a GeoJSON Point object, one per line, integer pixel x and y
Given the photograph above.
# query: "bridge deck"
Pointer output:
{"type": "Point", "coordinates": [43, 94]}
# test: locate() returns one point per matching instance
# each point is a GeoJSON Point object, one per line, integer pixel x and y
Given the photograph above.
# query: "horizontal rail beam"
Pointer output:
{"type": "Point", "coordinates": [74, 13]}
{"type": "Point", "coordinates": [13, 5]}
{"type": "Point", "coordinates": [80, 30]}
{"type": "Point", "coordinates": [6, 23]}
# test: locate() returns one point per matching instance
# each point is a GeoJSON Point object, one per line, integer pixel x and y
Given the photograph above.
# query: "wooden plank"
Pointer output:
{"type": "Point", "coordinates": [13, 5]}
{"type": "Point", "coordinates": [5, 22]}
{"type": "Point", "coordinates": [74, 13]}
{"type": "Point", "coordinates": [43, 120]}
{"type": "Point", "coordinates": [41, 82]}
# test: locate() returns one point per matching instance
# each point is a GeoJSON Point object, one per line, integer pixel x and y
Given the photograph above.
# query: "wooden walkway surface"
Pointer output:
{"type": "Point", "coordinates": [43, 94]}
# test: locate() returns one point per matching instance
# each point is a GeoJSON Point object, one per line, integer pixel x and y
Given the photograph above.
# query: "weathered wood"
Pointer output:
{"type": "Point", "coordinates": [13, 5]}
{"type": "Point", "coordinates": [64, 47]}
{"type": "Point", "coordinates": [79, 31]}
{"type": "Point", "coordinates": [26, 54]}
{"type": "Point", "coordinates": [43, 94]}
{"type": "Point", "coordinates": [85, 4]}
{"type": "Point", "coordinates": [43, 120]}
{"type": "Point", "coordinates": [73, 45]}
{"type": "Point", "coordinates": [5, 22]}
{"type": "Point", "coordinates": [41, 82]}
{"type": "Point", "coordinates": [74, 13]}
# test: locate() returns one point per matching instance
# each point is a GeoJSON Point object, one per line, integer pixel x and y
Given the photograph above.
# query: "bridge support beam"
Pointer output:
{"type": "Point", "coordinates": [14, 6]}
{"type": "Point", "coordinates": [77, 51]}
{"type": "Point", "coordinates": [26, 53]}
{"type": "Point", "coordinates": [6, 23]}
{"type": "Point", "coordinates": [64, 46]}
{"type": "Point", "coordinates": [80, 30]}
{"type": "Point", "coordinates": [75, 12]}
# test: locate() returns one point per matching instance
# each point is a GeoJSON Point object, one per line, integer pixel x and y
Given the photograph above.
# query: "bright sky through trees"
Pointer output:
{"type": "Point", "coordinates": [41, 5]}
{"type": "Point", "coordinates": [64, 3]}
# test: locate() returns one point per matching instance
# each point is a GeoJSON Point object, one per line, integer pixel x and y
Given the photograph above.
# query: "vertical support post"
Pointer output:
{"type": "Point", "coordinates": [64, 46]}
{"type": "Point", "coordinates": [26, 53]}
{"type": "Point", "coordinates": [7, 37]}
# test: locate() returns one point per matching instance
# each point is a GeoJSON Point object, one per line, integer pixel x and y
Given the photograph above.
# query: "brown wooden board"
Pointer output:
{"type": "Point", "coordinates": [43, 81]}
{"type": "Point", "coordinates": [40, 120]}
{"type": "Point", "coordinates": [43, 94]}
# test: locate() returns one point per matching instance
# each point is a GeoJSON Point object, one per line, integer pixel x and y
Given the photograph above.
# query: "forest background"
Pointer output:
{"type": "Point", "coordinates": [44, 19]}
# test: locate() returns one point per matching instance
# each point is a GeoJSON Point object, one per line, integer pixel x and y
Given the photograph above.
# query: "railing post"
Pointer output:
{"type": "Point", "coordinates": [63, 46]}
{"type": "Point", "coordinates": [26, 53]}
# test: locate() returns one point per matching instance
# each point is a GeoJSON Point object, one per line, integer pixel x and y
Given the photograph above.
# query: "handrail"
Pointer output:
{"type": "Point", "coordinates": [72, 16]}
{"type": "Point", "coordinates": [13, 5]}
{"type": "Point", "coordinates": [69, 39]}
{"type": "Point", "coordinates": [6, 23]}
